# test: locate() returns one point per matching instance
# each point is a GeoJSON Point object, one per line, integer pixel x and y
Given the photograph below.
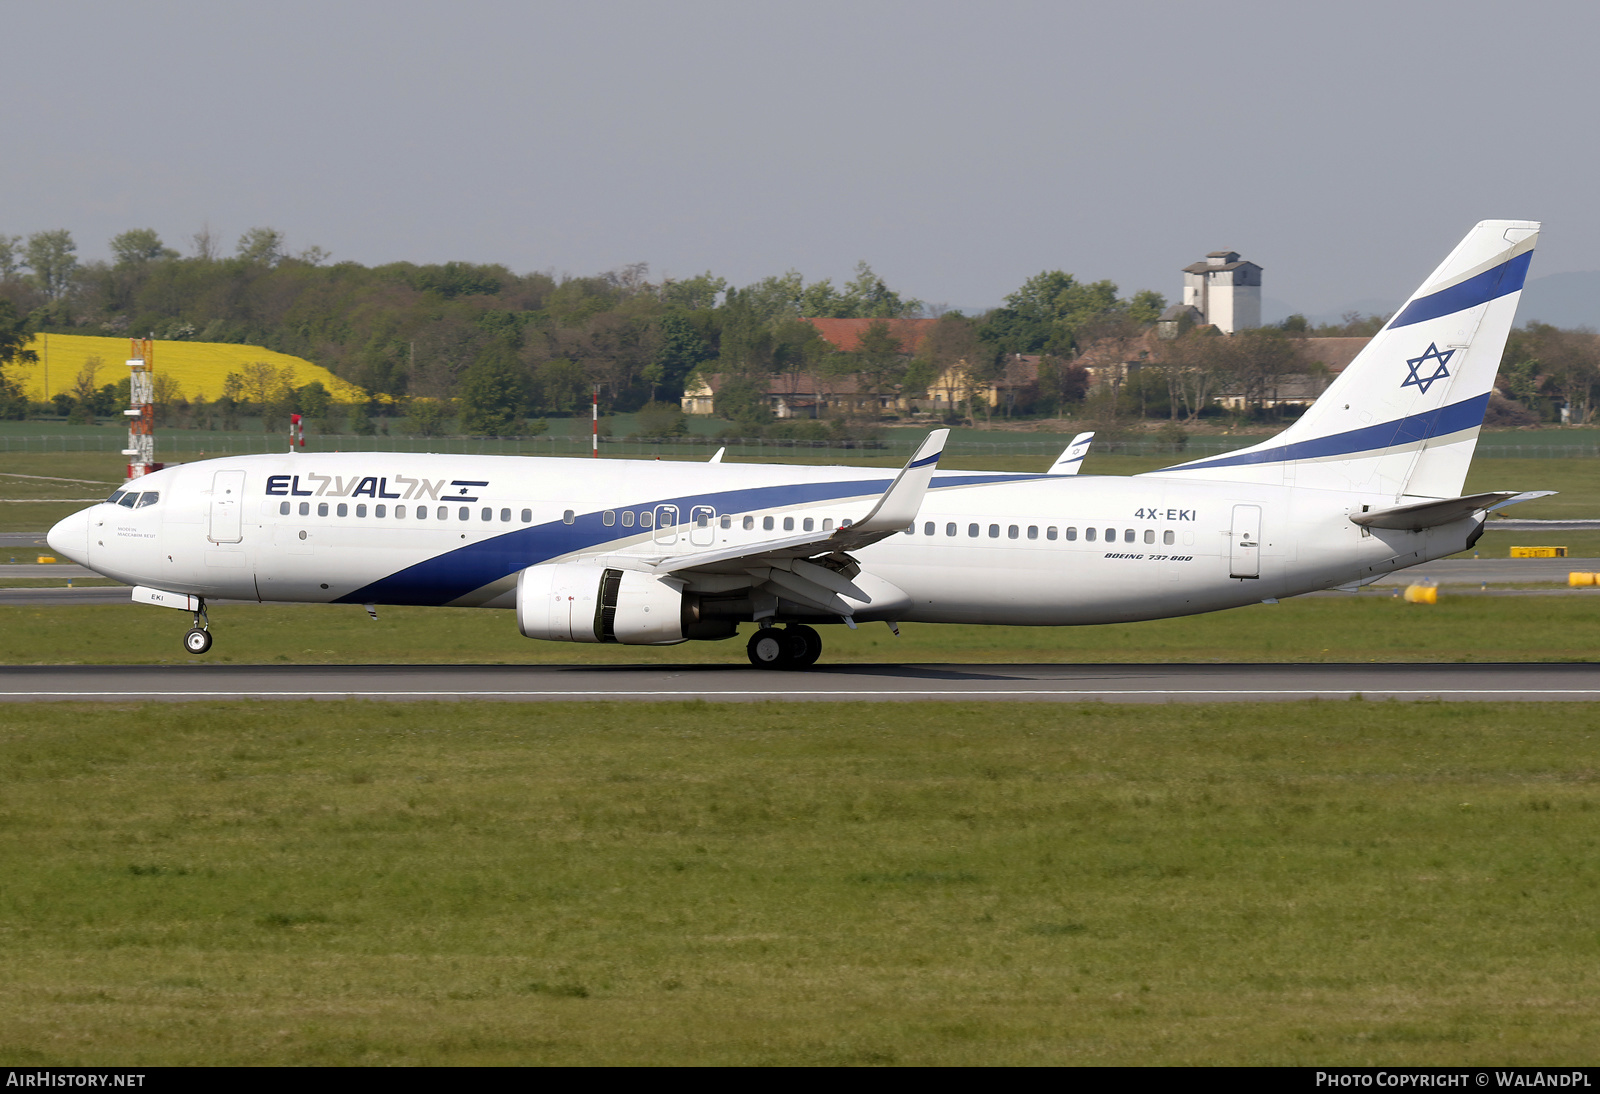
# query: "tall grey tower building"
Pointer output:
{"type": "Point", "coordinates": [1225, 290]}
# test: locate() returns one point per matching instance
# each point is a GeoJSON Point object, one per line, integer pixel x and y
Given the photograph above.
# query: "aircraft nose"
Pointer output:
{"type": "Point", "coordinates": [70, 537]}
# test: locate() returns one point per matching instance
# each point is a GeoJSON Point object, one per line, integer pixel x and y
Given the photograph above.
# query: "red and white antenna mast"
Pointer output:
{"type": "Point", "coordinates": [297, 432]}
{"type": "Point", "coordinates": [141, 412]}
{"type": "Point", "coordinates": [594, 443]}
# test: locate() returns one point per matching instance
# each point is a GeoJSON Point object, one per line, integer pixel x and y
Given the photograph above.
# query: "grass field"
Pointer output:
{"type": "Point", "coordinates": [353, 883]}
{"type": "Point", "coordinates": [1333, 629]}
{"type": "Point", "coordinates": [199, 367]}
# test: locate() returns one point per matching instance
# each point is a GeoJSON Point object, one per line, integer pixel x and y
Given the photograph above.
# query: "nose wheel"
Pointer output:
{"type": "Point", "coordinates": [198, 640]}
{"type": "Point", "coordinates": [793, 647]}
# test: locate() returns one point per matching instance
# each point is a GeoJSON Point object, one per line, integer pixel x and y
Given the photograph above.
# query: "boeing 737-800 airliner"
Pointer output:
{"type": "Point", "coordinates": [1367, 481]}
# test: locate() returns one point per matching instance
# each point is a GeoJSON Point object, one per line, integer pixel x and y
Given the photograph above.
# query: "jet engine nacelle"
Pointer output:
{"type": "Point", "coordinates": [583, 602]}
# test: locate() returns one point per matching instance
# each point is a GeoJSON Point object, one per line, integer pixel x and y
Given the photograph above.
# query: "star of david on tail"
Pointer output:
{"type": "Point", "coordinates": [1415, 379]}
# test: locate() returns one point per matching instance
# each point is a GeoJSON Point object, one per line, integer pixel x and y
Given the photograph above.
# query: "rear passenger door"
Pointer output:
{"type": "Point", "coordinates": [1244, 555]}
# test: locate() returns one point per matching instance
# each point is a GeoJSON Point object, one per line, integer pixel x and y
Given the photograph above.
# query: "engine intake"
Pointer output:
{"type": "Point", "coordinates": [583, 602]}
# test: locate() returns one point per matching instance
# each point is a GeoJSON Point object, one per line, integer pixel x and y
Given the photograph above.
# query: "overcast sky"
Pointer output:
{"type": "Point", "coordinates": [958, 147]}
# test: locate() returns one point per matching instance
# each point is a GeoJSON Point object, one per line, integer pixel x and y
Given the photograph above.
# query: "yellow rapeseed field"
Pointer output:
{"type": "Point", "coordinates": [200, 367]}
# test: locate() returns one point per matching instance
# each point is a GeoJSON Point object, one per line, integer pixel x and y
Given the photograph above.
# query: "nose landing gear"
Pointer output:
{"type": "Point", "coordinates": [198, 640]}
{"type": "Point", "coordinates": [794, 647]}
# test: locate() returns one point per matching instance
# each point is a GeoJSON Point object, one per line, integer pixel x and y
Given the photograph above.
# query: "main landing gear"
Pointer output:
{"type": "Point", "coordinates": [794, 647]}
{"type": "Point", "coordinates": [198, 640]}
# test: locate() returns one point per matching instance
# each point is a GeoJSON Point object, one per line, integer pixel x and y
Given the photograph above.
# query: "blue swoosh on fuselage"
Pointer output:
{"type": "Point", "coordinates": [452, 575]}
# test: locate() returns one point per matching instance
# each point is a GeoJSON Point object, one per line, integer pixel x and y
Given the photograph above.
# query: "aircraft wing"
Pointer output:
{"type": "Point", "coordinates": [1429, 514]}
{"type": "Point", "coordinates": [1070, 462]}
{"type": "Point", "coordinates": [782, 564]}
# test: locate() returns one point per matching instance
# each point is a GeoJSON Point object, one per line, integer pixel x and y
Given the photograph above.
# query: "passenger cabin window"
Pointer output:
{"type": "Point", "coordinates": [443, 513]}
{"type": "Point", "coordinates": [994, 531]}
{"type": "Point", "coordinates": [972, 531]}
{"type": "Point", "coordinates": [399, 512]}
{"type": "Point", "coordinates": [749, 523]}
{"type": "Point", "coordinates": [647, 519]}
{"type": "Point", "coordinates": [464, 513]}
{"type": "Point", "coordinates": [766, 524]}
{"type": "Point", "coordinates": [361, 510]}
{"type": "Point", "coordinates": [527, 516]}
{"type": "Point", "coordinates": [1050, 532]}
{"type": "Point", "coordinates": [1072, 535]}
{"type": "Point", "coordinates": [322, 508]}
{"type": "Point", "coordinates": [950, 529]}
{"type": "Point", "coordinates": [1167, 537]}
{"type": "Point", "coordinates": [1088, 535]}
{"type": "Point", "coordinates": [568, 516]}
{"type": "Point", "coordinates": [808, 524]}
{"type": "Point", "coordinates": [1149, 535]}
{"type": "Point", "coordinates": [1012, 531]}
{"type": "Point", "coordinates": [788, 524]}
{"type": "Point", "coordinates": [608, 518]}
{"type": "Point", "coordinates": [422, 512]}
{"type": "Point", "coordinates": [380, 511]}
{"type": "Point", "coordinates": [505, 516]}
{"type": "Point", "coordinates": [305, 509]}
{"type": "Point", "coordinates": [726, 521]}
{"type": "Point", "coordinates": [487, 514]}
{"type": "Point", "coordinates": [927, 528]}
{"type": "Point", "coordinates": [1111, 535]}
{"type": "Point", "coordinates": [627, 518]}
{"type": "Point", "coordinates": [827, 524]}
{"type": "Point", "coordinates": [1033, 531]}
{"type": "Point", "coordinates": [283, 508]}
{"type": "Point", "coordinates": [1128, 536]}
{"type": "Point", "coordinates": [343, 510]}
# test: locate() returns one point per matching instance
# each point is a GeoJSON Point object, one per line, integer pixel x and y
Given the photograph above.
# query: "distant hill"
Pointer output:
{"type": "Point", "coordinates": [1563, 300]}
{"type": "Point", "coordinates": [200, 367]}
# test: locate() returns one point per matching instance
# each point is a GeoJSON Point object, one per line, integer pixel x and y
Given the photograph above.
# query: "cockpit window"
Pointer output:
{"type": "Point", "coordinates": [128, 499]}
{"type": "Point", "coordinates": [149, 497]}
{"type": "Point", "coordinates": [116, 497]}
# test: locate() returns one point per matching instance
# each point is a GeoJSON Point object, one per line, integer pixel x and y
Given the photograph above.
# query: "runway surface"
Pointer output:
{"type": "Point", "coordinates": [884, 683]}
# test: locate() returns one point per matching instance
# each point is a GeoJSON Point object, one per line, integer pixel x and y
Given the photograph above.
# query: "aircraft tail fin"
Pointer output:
{"type": "Point", "coordinates": [1403, 418]}
{"type": "Point", "coordinates": [1070, 462]}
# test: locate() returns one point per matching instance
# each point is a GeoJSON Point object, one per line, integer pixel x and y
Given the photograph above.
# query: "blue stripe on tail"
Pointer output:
{"type": "Point", "coordinates": [1418, 427]}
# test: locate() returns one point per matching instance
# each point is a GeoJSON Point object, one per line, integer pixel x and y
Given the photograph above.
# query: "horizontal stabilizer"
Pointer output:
{"type": "Point", "coordinates": [1430, 514]}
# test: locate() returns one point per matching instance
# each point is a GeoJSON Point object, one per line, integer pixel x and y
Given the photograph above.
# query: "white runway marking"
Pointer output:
{"type": "Point", "coordinates": [918, 694]}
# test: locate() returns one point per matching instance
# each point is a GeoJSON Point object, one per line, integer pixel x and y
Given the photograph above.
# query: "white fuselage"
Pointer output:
{"type": "Point", "coordinates": [992, 548]}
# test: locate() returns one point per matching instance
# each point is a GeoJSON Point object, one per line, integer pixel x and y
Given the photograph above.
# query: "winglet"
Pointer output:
{"type": "Point", "coordinates": [1070, 462]}
{"type": "Point", "coordinates": [718, 457]}
{"type": "Point", "coordinates": [899, 504]}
